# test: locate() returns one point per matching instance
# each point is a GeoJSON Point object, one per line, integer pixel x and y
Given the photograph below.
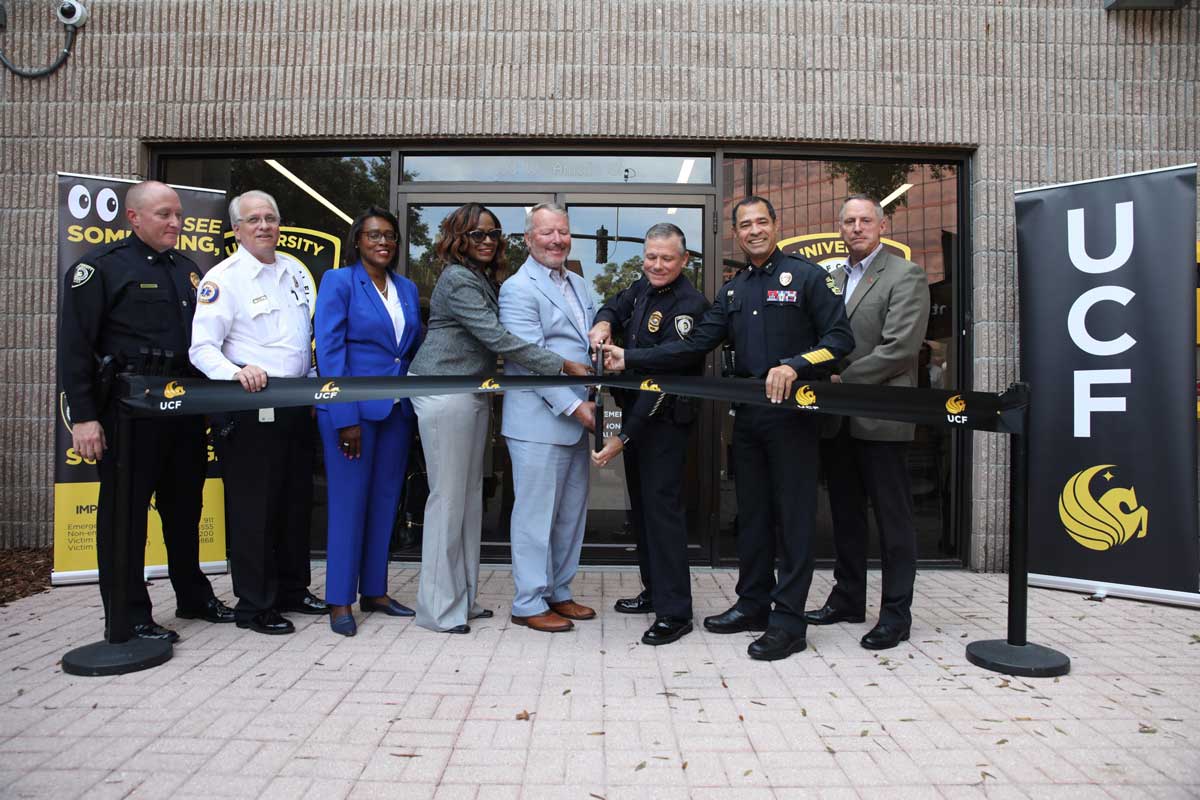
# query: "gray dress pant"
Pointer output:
{"type": "Point", "coordinates": [454, 429]}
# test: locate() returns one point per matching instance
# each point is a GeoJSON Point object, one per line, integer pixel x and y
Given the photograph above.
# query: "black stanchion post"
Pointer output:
{"type": "Point", "coordinates": [120, 652]}
{"type": "Point", "coordinates": [1016, 656]}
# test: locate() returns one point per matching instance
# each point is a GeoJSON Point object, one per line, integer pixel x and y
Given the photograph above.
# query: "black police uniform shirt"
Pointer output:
{"type": "Point", "coordinates": [788, 311]}
{"type": "Point", "coordinates": [648, 317]}
{"type": "Point", "coordinates": [117, 299]}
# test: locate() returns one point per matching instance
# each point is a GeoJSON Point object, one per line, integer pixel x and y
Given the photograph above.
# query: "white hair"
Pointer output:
{"type": "Point", "coordinates": [235, 205]}
{"type": "Point", "coordinates": [553, 208]}
{"type": "Point", "coordinates": [867, 198]}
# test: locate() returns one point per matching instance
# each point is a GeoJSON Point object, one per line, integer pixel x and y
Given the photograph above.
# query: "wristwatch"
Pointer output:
{"type": "Point", "coordinates": [624, 439]}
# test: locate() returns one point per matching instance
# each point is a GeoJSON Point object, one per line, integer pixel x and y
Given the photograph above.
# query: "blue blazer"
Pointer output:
{"type": "Point", "coordinates": [532, 308]}
{"type": "Point", "coordinates": [355, 337]}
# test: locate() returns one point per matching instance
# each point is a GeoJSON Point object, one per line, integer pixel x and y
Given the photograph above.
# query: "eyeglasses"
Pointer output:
{"type": "Point", "coordinates": [477, 236]}
{"type": "Point", "coordinates": [381, 236]}
{"type": "Point", "coordinates": [255, 221]}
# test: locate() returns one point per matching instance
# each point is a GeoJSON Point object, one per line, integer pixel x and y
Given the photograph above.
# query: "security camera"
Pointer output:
{"type": "Point", "coordinates": [72, 13]}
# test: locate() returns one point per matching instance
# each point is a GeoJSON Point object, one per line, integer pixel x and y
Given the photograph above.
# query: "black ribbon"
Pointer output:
{"type": "Point", "coordinates": [150, 396]}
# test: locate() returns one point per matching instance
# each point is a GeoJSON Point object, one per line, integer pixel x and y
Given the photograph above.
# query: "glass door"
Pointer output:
{"type": "Point", "coordinates": [607, 235]}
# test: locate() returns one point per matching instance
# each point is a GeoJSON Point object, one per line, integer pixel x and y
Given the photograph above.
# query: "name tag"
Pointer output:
{"type": "Point", "coordinates": [259, 299]}
{"type": "Point", "coordinates": [781, 295]}
{"type": "Point", "coordinates": [266, 415]}
{"type": "Point", "coordinates": [147, 285]}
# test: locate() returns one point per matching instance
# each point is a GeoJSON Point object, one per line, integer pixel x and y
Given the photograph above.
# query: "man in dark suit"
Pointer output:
{"type": "Point", "coordinates": [887, 302]}
{"type": "Point", "coordinates": [661, 306]}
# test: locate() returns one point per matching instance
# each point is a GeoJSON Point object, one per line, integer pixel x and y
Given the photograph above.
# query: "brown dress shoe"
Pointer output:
{"type": "Point", "coordinates": [572, 610]}
{"type": "Point", "coordinates": [547, 622]}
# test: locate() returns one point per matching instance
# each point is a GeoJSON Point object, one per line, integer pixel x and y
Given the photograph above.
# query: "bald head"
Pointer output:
{"type": "Point", "coordinates": [155, 214]}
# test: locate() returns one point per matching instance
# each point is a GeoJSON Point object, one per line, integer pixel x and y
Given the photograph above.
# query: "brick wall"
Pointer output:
{"type": "Point", "coordinates": [1044, 91]}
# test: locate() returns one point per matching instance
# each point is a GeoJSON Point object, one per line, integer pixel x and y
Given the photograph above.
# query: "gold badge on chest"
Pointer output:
{"type": "Point", "coordinates": [654, 322]}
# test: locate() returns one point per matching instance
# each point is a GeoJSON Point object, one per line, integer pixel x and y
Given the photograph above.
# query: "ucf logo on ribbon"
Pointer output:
{"type": "Point", "coordinates": [649, 385]}
{"type": "Point", "coordinates": [173, 390]}
{"type": "Point", "coordinates": [805, 397]}
{"type": "Point", "coordinates": [490, 383]}
{"type": "Point", "coordinates": [1104, 523]}
{"type": "Point", "coordinates": [954, 408]}
{"type": "Point", "coordinates": [327, 392]}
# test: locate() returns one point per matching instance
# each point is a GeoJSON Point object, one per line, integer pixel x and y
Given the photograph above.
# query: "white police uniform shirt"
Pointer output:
{"type": "Point", "coordinates": [248, 312]}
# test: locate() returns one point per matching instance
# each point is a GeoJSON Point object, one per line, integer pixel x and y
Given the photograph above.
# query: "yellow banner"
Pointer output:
{"type": "Point", "coordinates": [75, 532]}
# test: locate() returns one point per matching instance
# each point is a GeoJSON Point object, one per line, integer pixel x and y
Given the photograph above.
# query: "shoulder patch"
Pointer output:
{"type": "Point", "coordinates": [683, 325]}
{"type": "Point", "coordinates": [832, 284]}
{"type": "Point", "coordinates": [83, 274]}
{"type": "Point", "coordinates": [209, 292]}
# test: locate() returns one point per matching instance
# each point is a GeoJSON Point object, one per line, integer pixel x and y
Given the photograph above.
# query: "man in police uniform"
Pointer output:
{"type": "Point", "coordinates": [662, 306]}
{"type": "Point", "coordinates": [129, 305]}
{"type": "Point", "coordinates": [887, 300]}
{"type": "Point", "coordinates": [786, 319]}
{"type": "Point", "coordinates": [254, 322]}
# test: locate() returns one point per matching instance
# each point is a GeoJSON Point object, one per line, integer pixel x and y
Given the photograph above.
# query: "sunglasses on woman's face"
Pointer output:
{"type": "Point", "coordinates": [477, 236]}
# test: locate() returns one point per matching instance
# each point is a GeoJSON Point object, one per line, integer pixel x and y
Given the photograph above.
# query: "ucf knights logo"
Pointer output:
{"type": "Point", "coordinates": [172, 392]}
{"type": "Point", "coordinates": [327, 392]}
{"type": "Point", "coordinates": [955, 407]}
{"type": "Point", "coordinates": [1104, 523]}
{"type": "Point", "coordinates": [806, 398]}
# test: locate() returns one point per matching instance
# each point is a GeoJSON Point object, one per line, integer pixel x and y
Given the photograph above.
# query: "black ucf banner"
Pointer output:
{"type": "Point", "coordinates": [91, 213]}
{"type": "Point", "coordinates": [1108, 314]}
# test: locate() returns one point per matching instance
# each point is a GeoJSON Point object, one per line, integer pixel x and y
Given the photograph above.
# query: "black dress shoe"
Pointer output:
{"type": "Point", "coordinates": [458, 629]}
{"type": "Point", "coordinates": [486, 613]}
{"type": "Point", "coordinates": [666, 630]}
{"type": "Point", "coordinates": [212, 611]}
{"type": "Point", "coordinates": [884, 637]}
{"type": "Point", "coordinates": [734, 621]}
{"type": "Point", "coordinates": [828, 615]}
{"type": "Point", "coordinates": [635, 605]}
{"type": "Point", "coordinates": [775, 644]}
{"type": "Point", "coordinates": [152, 630]}
{"type": "Point", "coordinates": [388, 606]}
{"type": "Point", "coordinates": [308, 604]}
{"type": "Point", "coordinates": [269, 622]}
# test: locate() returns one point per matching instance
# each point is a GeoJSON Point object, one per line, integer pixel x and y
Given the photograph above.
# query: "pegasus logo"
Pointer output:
{"type": "Point", "coordinates": [955, 406]}
{"type": "Point", "coordinates": [490, 383]}
{"type": "Point", "coordinates": [649, 385]}
{"type": "Point", "coordinates": [805, 396]}
{"type": "Point", "coordinates": [173, 390]}
{"type": "Point", "coordinates": [327, 392]}
{"type": "Point", "coordinates": [1101, 524]}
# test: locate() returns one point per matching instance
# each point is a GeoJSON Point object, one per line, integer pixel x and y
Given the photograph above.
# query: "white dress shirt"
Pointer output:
{"type": "Point", "coordinates": [855, 273]}
{"type": "Point", "coordinates": [248, 312]}
{"type": "Point", "coordinates": [391, 301]}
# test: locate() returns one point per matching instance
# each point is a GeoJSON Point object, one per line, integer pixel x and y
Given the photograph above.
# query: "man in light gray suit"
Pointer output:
{"type": "Point", "coordinates": [548, 305]}
{"type": "Point", "coordinates": [887, 302]}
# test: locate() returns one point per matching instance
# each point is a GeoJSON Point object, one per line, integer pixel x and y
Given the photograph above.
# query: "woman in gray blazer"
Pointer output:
{"type": "Point", "coordinates": [464, 337]}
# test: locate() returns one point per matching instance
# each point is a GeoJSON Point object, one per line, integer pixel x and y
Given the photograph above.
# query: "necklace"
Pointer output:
{"type": "Point", "coordinates": [384, 290]}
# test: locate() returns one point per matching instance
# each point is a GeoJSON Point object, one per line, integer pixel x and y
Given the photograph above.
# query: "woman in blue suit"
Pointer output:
{"type": "Point", "coordinates": [367, 322]}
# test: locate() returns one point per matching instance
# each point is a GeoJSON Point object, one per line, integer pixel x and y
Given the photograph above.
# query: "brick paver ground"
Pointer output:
{"type": "Point", "coordinates": [505, 712]}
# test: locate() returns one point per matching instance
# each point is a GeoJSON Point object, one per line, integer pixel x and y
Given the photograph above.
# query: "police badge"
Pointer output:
{"type": "Point", "coordinates": [655, 321]}
{"type": "Point", "coordinates": [785, 279]}
{"type": "Point", "coordinates": [83, 273]}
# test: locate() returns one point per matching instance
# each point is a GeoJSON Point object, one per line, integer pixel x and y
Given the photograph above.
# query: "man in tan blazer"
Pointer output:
{"type": "Point", "coordinates": [887, 301]}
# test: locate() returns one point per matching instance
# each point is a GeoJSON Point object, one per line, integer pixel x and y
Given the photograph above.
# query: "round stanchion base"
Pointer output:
{"type": "Point", "coordinates": [1027, 660]}
{"type": "Point", "coordinates": [105, 658]}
